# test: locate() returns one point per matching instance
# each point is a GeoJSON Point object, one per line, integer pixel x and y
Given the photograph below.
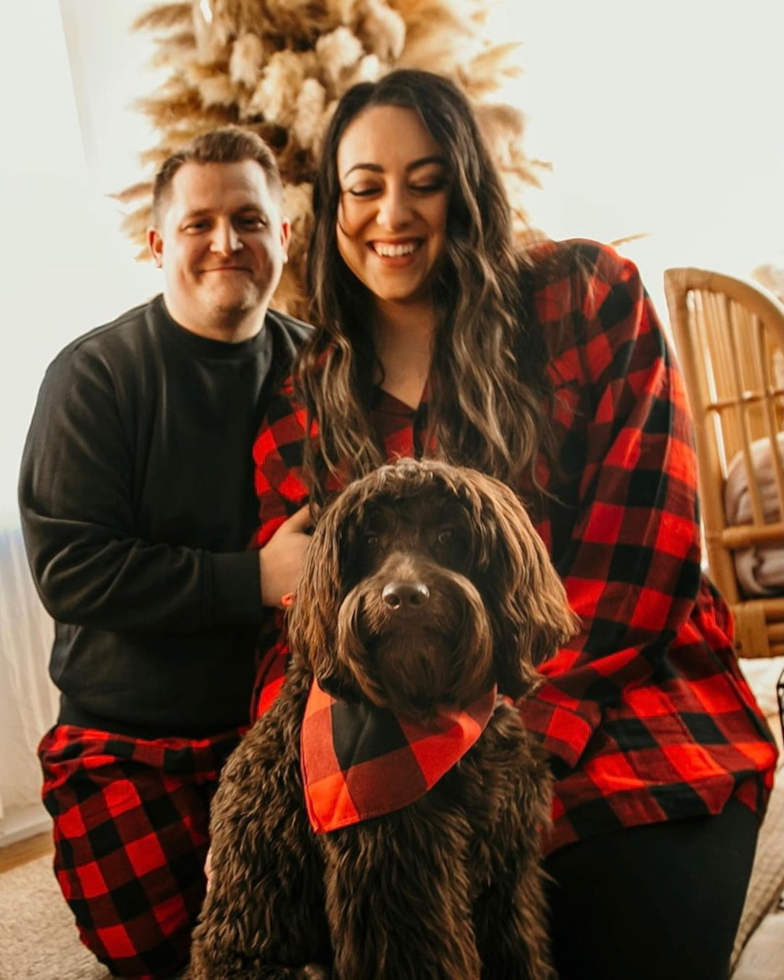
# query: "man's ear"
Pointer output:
{"type": "Point", "coordinates": [285, 237]}
{"type": "Point", "coordinates": [155, 245]}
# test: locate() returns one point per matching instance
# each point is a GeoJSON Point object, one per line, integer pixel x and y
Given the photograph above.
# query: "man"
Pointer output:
{"type": "Point", "coordinates": [137, 504]}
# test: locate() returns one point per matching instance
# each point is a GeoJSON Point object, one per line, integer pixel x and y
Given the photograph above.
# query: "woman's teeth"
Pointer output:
{"type": "Point", "coordinates": [394, 251]}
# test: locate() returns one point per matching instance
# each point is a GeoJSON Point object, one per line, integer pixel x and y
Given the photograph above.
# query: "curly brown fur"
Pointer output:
{"type": "Point", "coordinates": [425, 584]}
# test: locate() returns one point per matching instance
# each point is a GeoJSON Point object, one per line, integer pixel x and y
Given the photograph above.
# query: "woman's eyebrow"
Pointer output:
{"type": "Point", "coordinates": [364, 166]}
{"type": "Point", "coordinates": [426, 160]}
{"type": "Point", "coordinates": [378, 169]}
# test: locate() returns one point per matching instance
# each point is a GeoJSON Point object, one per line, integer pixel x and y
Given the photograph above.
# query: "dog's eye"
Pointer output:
{"type": "Point", "coordinates": [371, 541]}
{"type": "Point", "coordinates": [446, 535]}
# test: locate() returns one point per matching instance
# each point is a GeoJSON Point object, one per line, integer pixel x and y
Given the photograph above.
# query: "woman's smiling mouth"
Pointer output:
{"type": "Point", "coordinates": [395, 250]}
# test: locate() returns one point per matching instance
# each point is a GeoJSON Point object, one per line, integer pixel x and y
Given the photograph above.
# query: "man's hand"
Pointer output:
{"type": "Point", "coordinates": [281, 558]}
{"type": "Point", "coordinates": [208, 868]}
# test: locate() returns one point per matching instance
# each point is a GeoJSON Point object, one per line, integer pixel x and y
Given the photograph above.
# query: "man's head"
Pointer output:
{"type": "Point", "coordinates": [218, 233]}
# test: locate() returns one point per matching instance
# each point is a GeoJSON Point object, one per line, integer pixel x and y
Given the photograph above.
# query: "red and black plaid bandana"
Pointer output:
{"type": "Point", "coordinates": [360, 761]}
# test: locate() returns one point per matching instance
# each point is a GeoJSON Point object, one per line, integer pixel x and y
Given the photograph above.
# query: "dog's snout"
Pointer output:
{"type": "Point", "coordinates": [405, 595]}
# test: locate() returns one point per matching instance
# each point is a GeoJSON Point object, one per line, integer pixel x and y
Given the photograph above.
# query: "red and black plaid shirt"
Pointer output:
{"type": "Point", "coordinates": [645, 712]}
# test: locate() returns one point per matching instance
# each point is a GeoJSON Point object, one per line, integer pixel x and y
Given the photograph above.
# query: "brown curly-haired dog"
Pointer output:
{"type": "Point", "coordinates": [425, 586]}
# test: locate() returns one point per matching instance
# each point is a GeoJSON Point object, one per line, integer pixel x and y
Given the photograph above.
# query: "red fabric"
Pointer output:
{"type": "Point", "coordinates": [360, 761]}
{"type": "Point", "coordinates": [645, 712]}
{"type": "Point", "coordinates": [271, 670]}
{"type": "Point", "coordinates": [130, 832]}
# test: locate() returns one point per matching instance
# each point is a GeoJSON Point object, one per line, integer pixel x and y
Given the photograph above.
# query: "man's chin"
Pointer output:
{"type": "Point", "coordinates": [231, 306]}
{"type": "Point", "coordinates": [236, 305]}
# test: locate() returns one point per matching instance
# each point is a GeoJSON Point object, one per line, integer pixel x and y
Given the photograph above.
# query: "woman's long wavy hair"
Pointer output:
{"type": "Point", "coordinates": [489, 393]}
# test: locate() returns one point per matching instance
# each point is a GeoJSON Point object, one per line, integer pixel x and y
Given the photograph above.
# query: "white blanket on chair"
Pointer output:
{"type": "Point", "coordinates": [760, 569]}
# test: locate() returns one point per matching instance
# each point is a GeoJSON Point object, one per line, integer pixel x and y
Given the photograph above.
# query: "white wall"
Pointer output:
{"type": "Point", "coordinates": [63, 269]}
{"type": "Point", "coordinates": [663, 118]}
{"type": "Point", "coordinates": [63, 266]}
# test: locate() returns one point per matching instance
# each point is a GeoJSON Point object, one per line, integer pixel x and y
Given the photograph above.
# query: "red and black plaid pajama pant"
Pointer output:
{"type": "Point", "coordinates": [131, 824]}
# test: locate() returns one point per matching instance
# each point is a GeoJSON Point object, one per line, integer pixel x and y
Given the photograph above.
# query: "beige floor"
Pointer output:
{"type": "Point", "coordinates": [763, 956]}
{"type": "Point", "coordinates": [24, 851]}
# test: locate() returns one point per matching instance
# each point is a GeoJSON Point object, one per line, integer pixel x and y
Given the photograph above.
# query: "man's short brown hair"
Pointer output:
{"type": "Point", "coordinates": [227, 144]}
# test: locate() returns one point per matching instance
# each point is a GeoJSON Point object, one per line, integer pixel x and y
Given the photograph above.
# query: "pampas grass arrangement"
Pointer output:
{"type": "Point", "coordinates": [279, 67]}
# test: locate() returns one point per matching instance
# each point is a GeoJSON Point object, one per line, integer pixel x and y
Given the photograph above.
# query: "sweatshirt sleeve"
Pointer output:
{"type": "Point", "coordinates": [78, 517]}
{"type": "Point", "coordinates": [631, 565]}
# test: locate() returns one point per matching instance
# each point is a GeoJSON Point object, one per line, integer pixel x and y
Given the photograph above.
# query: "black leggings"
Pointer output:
{"type": "Point", "coordinates": [658, 902]}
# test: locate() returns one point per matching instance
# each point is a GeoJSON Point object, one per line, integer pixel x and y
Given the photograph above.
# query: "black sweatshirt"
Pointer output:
{"type": "Point", "coordinates": [137, 504]}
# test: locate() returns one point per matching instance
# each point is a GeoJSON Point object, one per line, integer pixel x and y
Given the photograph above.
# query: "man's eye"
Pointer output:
{"type": "Point", "coordinates": [252, 223]}
{"type": "Point", "coordinates": [194, 227]}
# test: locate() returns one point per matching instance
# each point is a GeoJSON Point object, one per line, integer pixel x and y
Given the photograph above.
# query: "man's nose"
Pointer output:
{"type": "Point", "coordinates": [225, 238]}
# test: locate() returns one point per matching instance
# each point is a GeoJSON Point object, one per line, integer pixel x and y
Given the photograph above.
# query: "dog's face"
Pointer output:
{"type": "Point", "coordinates": [413, 627]}
{"type": "Point", "coordinates": [425, 584]}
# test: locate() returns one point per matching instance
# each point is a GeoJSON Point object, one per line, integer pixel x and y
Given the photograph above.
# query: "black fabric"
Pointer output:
{"type": "Point", "coordinates": [657, 902]}
{"type": "Point", "coordinates": [137, 505]}
{"type": "Point", "coordinates": [361, 733]}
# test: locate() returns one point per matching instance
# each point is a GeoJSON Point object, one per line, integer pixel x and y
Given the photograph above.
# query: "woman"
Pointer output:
{"type": "Point", "coordinates": [549, 370]}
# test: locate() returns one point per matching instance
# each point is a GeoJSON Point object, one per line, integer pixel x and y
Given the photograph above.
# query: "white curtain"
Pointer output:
{"type": "Point", "coordinates": [28, 699]}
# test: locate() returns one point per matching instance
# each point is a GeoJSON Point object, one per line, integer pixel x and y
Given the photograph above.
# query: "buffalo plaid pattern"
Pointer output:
{"type": "Point", "coordinates": [360, 761]}
{"type": "Point", "coordinates": [130, 830]}
{"type": "Point", "coordinates": [645, 712]}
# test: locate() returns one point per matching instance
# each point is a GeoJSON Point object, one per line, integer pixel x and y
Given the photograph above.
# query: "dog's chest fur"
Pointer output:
{"type": "Point", "coordinates": [498, 791]}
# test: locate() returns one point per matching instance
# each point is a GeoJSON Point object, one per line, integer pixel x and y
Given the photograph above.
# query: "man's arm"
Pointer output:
{"type": "Point", "coordinates": [89, 563]}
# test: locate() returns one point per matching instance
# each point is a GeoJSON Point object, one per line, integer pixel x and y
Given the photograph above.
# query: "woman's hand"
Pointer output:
{"type": "Point", "coordinates": [280, 560]}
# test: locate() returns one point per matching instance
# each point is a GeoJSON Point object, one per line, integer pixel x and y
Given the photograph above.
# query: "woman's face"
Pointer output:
{"type": "Point", "coordinates": [394, 198]}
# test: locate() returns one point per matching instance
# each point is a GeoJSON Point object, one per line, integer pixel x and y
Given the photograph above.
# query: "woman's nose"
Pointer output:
{"type": "Point", "coordinates": [394, 209]}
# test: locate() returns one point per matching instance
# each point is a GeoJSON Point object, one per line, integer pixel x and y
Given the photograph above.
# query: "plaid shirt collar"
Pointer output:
{"type": "Point", "coordinates": [360, 761]}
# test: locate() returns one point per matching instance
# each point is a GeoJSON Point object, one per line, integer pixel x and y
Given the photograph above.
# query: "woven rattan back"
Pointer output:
{"type": "Point", "coordinates": [729, 336]}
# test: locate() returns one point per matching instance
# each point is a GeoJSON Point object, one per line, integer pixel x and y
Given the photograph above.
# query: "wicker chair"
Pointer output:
{"type": "Point", "coordinates": [729, 335]}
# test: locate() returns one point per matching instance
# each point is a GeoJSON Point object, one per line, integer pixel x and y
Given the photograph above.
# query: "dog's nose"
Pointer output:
{"type": "Point", "coordinates": [405, 595]}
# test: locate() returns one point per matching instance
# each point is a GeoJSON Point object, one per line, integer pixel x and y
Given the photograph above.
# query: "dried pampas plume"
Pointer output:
{"type": "Point", "coordinates": [247, 60]}
{"type": "Point", "coordinates": [279, 67]}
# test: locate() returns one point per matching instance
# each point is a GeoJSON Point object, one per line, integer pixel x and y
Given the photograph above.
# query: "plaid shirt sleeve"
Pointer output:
{"type": "Point", "coordinates": [631, 558]}
{"type": "Point", "coordinates": [278, 455]}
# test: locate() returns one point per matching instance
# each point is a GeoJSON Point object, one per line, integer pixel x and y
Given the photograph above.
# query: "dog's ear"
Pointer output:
{"type": "Point", "coordinates": [526, 598]}
{"type": "Point", "coordinates": [313, 620]}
